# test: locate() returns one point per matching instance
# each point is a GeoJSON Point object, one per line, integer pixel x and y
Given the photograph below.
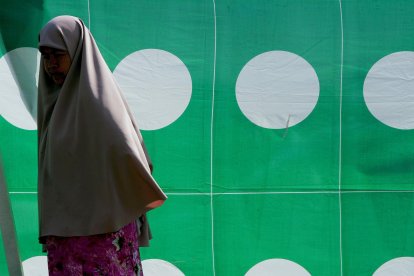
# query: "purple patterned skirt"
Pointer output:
{"type": "Point", "coordinates": [104, 254]}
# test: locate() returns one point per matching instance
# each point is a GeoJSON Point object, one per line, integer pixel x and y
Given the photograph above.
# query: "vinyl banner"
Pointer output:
{"type": "Point", "coordinates": [281, 131]}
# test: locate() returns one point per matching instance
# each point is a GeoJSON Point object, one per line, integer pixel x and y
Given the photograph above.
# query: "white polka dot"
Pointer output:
{"type": "Point", "coordinates": [19, 70]}
{"type": "Point", "coordinates": [277, 267]}
{"type": "Point", "coordinates": [35, 266]}
{"type": "Point", "coordinates": [402, 266]}
{"type": "Point", "coordinates": [389, 90]}
{"type": "Point", "coordinates": [277, 89]}
{"type": "Point", "coordinates": [156, 267]}
{"type": "Point", "coordinates": [156, 85]}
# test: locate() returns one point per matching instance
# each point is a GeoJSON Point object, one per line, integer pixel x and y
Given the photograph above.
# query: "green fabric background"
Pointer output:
{"type": "Point", "coordinates": [333, 193]}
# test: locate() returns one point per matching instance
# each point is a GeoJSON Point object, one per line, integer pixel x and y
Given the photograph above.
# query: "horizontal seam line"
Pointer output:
{"type": "Point", "coordinates": [270, 193]}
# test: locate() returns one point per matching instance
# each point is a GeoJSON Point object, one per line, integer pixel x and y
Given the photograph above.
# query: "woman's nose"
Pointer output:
{"type": "Point", "coordinates": [52, 61]}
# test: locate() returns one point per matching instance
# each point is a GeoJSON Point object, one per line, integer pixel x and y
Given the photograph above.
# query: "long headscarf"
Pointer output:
{"type": "Point", "coordinates": [94, 171]}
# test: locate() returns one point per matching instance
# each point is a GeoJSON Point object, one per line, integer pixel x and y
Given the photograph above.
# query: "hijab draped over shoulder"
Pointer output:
{"type": "Point", "coordinates": [94, 171]}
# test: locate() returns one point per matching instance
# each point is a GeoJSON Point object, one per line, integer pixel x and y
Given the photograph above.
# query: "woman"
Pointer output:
{"type": "Point", "coordinates": [95, 183]}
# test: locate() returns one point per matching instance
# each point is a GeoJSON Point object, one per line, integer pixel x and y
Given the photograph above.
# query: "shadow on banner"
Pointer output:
{"type": "Point", "coordinates": [8, 231]}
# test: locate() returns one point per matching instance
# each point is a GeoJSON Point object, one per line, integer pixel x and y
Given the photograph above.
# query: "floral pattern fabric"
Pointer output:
{"type": "Point", "coordinates": [104, 254]}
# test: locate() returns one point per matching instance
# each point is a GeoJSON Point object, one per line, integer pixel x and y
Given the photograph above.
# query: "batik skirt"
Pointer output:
{"type": "Point", "coordinates": [104, 254]}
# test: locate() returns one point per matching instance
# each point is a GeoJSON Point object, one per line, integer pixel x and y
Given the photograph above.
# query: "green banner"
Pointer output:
{"type": "Point", "coordinates": [281, 131]}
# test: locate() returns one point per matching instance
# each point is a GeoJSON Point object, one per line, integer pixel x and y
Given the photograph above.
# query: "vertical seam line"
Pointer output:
{"type": "Point", "coordinates": [211, 139]}
{"type": "Point", "coordinates": [340, 140]}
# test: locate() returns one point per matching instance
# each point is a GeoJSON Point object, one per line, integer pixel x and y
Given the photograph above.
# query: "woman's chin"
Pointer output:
{"type": "Point", "coordinates": [58, 80]}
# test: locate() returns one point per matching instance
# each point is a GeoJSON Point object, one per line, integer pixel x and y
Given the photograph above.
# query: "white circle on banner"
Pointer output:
{"type": "Point", "coordinates": [156, 267]}
{"type": "Point", "coordinates": [398, 266]}
{"type": "Point", "coordinates": [389, 90]}
{"type": "Point", "coordinates": [19, 74]}
{"type": "Point", "coordinates": [277, 267]}
{"type": "Point", "coordinates": [157, 86]}
{"type": "Point", "coordinates": [277, 89]}
{"type": "Point", "coordinates": [35, 266]}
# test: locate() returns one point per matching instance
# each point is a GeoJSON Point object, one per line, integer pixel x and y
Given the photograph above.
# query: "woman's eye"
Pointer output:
{"type": "Point", "coordinates": [59, 54]}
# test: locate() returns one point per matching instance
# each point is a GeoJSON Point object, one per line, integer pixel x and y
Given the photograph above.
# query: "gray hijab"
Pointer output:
{"type": "Point", "coordinates": [94, 171]}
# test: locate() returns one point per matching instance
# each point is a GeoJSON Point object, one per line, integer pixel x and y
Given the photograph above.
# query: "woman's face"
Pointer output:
{"type": "Point", "coordinates": [56, 63]}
